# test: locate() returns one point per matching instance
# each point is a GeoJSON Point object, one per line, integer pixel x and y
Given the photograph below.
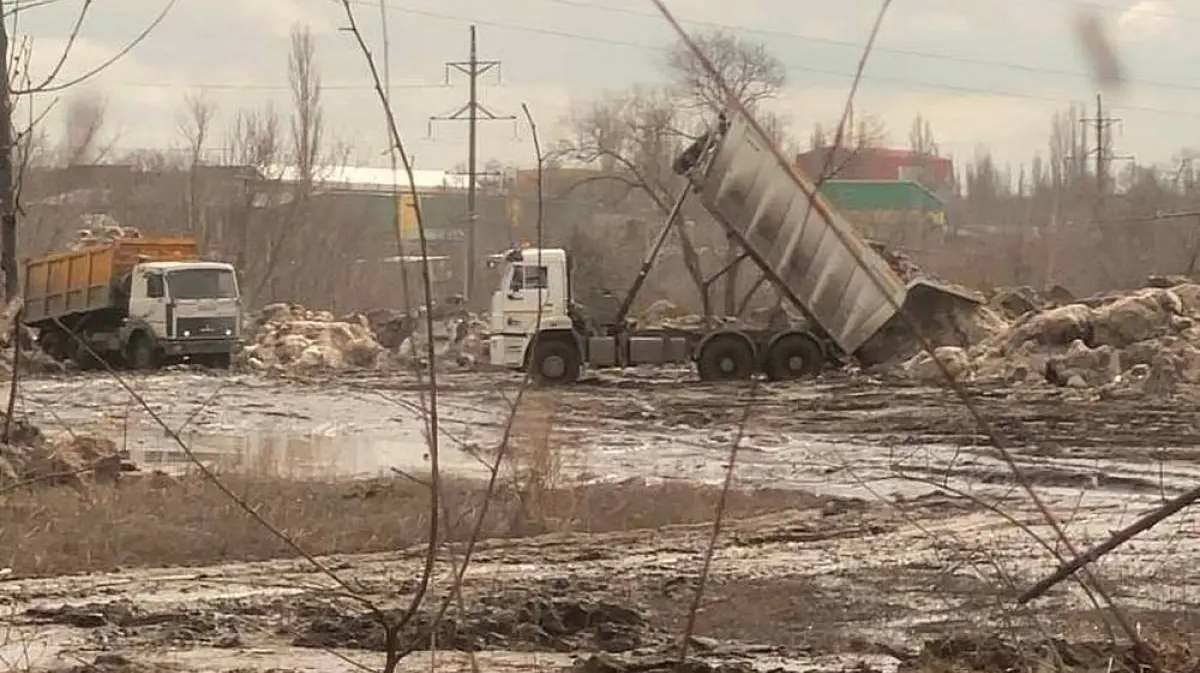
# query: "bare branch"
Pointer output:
{"type": "Point", "coordinates": [195, 123]}
{"type": "Point", "coordinates": [397, 151]}
{"type": "Point", "coordinates": [747, 67]}
{"type": "Point", "coordinates": [141, 37]}
{"type": "Point", "coordinates": [66, 52]}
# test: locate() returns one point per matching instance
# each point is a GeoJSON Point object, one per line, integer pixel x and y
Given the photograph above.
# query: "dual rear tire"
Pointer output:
{"type": "Point", "coordinates": [724, 357]}
{"type": "Point", "coordinates": [731, 357]}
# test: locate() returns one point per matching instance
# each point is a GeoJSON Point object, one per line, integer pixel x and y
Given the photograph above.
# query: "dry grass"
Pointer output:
{"type": "Point", "coordinates": [185, 521]}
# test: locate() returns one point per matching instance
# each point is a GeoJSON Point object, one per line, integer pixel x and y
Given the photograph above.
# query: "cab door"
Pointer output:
{"type": "Point", "coordinates": [526, 294]}
{"type": "Point", "coordinates": [148, 302]}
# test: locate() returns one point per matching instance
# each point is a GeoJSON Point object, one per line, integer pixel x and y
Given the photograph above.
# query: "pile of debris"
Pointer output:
{"type": "Point", "coordinates": [33, 359]}
{"type": "Point", "coordinates": [900, 262]}
{"type": "Point", "coordinates": [30, 457]}
{"type": "Point", "coordinates": [1149, 338]}
{"type": "Point", "coordinates": [99, 228]}
{"type": "Point", "coordinates": [290, 338]}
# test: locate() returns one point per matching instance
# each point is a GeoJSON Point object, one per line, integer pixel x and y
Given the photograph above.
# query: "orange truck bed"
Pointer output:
{"type": "Point", "coordinates": [80, 281]}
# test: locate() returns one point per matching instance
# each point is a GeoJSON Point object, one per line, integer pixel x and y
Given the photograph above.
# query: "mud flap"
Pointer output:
{"type": "Point", "coordinates": [943, 314]}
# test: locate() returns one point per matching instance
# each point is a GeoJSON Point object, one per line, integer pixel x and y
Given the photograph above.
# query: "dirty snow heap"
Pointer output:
{"type": "Point", "coordinates": [1150, 337]}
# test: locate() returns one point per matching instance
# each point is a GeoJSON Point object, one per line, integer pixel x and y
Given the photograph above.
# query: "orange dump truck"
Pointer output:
{"type": "Point", "coordinates": [140, 302]}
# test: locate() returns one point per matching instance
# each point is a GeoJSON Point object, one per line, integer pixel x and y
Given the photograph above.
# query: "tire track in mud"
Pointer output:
{"type": "Point", "coordinates": [841, 577]}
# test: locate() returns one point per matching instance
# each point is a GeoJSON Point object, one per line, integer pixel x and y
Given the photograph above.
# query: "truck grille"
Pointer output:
{"type": "Point", "coordinates": [205, 327]}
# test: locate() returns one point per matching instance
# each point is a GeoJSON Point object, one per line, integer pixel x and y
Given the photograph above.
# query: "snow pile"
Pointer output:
{"type": "Point", "coordinates": [293, 339]}
{"type": "Point", "coordinates": [1149, 338]}
{"type": "Point", "coordinates": [289, 338]}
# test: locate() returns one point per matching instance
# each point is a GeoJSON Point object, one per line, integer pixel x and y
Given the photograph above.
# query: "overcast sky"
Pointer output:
{"type": "Point", "coordinates": [988, 72]}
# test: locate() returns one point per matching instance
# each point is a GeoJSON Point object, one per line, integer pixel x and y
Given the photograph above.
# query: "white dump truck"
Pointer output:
{"type": "Point", "coordinates": [140, 302]}
{"type": "Point", "coordinates": [802, 246]}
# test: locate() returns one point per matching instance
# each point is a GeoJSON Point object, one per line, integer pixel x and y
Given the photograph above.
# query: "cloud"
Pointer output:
{"type": "Point", "coordinates": [279, 16]}
{"type": "Point", "coordinates": [1147, 18]}
{"type": "Point", "coordinates": [84, 55]}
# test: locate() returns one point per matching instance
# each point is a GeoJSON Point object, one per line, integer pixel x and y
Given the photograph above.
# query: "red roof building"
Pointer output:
{"type": "Point", "coordinates": [870, 163]}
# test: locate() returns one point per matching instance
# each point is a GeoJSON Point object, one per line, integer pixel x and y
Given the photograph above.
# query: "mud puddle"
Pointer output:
{"type": "Point", "coordinates": [328, 454]}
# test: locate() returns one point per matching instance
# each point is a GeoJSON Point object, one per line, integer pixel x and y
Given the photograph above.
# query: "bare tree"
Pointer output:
{"type": "Point", "coordinates": [195, 126]}
{"type": "Point", "coordinates": [747, 67]}
{"type": "Point", "coordinates": [307, 128]}
{"type": "Point", "coordinates": [818, 139]}
{"type": "Point", "coordinates": [752, 74]}
{"type": "Point", "coordinates": [18, 59]}
{"type": "Point", "coordinates": [632, 142]}
{"type": "Point", "coordinates": [253, 142]}
{"type": "Point", "coordinates": [307, 113]}
{"type": "Point", "coordinates": [920, 138]}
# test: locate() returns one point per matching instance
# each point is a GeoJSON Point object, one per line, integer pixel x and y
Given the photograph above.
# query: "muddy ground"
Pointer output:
{"type": "Point", "coordinates": [902, 545]}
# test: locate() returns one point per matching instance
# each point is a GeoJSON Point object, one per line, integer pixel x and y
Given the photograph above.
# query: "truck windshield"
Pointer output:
{"type": "Point", "coordinates": [201, 284]}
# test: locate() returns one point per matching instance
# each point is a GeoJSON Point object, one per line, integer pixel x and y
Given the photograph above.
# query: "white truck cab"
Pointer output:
{"type": "Point", "coordinates": [533, 295]}
{"type": "Point", "coordinates": [187, 308]}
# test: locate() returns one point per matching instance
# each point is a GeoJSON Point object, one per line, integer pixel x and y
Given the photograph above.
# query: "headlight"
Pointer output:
{"type": "Point", "coordinates": [187, 333]}
{"type": "Point", "coordinates": [228, 332]}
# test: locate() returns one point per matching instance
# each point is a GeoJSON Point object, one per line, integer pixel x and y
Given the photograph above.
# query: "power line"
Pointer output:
{"type": "Point", "coordinates": [792, 67]}
{"type": "Point", "coordinates": [471, 112]}
{"type": "Point", "coordinates": [858, 47]}
{"type": "Point", "coordinates": [1102, 126]}
{"type": "Point", "coordinates": [255, 86]}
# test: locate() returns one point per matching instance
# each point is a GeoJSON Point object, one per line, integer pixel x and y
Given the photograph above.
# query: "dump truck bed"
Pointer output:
{"type": "Point", "coordinates": [794, 233]}
{"type": "Point", "coordinates": [81, 281]}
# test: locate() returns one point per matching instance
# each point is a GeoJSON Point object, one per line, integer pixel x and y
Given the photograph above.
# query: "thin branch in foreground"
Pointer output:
{"type": "Point", "coordinates": [506, 438]}
{"type": "Point", "coordinates": [66, 52]}
{"type": "Point", "coordinates": [212, 478]}
{"type": "Point", "coordinates": [104, 65]}
{"type": "Point", "coordinates": [16, 375]}
{"type": "Point", "coordinates": [718, 518]}
{"type": "Point", "coordinates": [397, 149]}
{"type": "Point", "coordinates": [1143, 524]}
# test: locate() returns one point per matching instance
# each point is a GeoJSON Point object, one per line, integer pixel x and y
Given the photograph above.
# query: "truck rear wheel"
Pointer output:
{"type": "Point", "coordinates": [725, 358]}
{"type": "Point", "coordinates": [792, 357]}
{"type": "Point", "coordinates": [554, 362]}
{"type": "Point", "coordinates": [142, 353]}
{"type": "Point", "coordinates": [86, 359]}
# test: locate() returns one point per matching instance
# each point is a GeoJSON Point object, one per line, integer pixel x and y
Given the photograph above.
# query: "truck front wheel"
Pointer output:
{"type": "Point", "coordinates": [792, 357]}
{"type": "Point", "coordinates": [142, 353]}
{"type": "Point", "coordinates": [554, 362]}
{"type": "Point", "coordinates": [725, 358]}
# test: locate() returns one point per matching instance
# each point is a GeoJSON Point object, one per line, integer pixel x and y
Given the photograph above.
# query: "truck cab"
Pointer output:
{"type": "Point", "coordinates": [181, 309]}
{"type": "Point", "coordinates": [533, 296]}
{"type": "Point", "coordinates": [537, 327]}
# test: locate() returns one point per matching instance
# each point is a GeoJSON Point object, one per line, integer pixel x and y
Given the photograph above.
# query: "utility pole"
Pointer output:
{"type": "Point", "coordinates": [1102, 128]}
{"type": "Point", "coordinates": [471, 112]}
{"type": "Point", "coordinates": [8, 197]}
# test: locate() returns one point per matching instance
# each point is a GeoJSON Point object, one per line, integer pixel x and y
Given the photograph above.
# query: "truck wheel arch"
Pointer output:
{"type": "Point", "coordinates": [559, 342]}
